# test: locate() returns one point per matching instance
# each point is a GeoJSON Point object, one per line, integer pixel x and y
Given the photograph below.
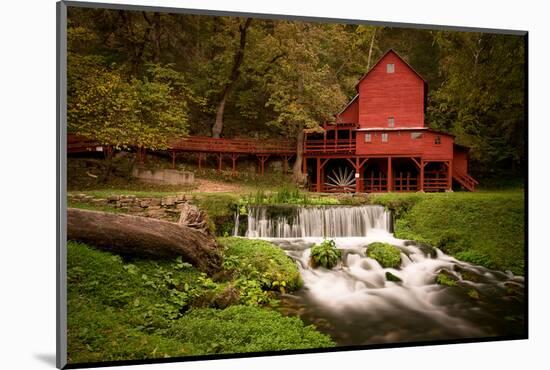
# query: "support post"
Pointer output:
{"type": "Point", "coordinates": [286, 158]}
{"type": "Point", "coordinates": [173, 159]}
{"type": "Point", "coordinates": [262, 158]}
{"type": "Point", "coordinates": [390, 176]}
{"type": "Point", "coordinates": [450, 175]}
{"type": "Point", "coordinates": [219, 162]}
{"type": "Point", "coordinates": [357, 179]}
{"type": "Point", "coordinates": [200, 161]}
{"type": "Point", "coordinates": [318, 174]}
{"type": "Point", "coordinates": [304, 165]}
{"type": "Point", "coordinates": [421, 185]}
{"type": "Point", "coordinates": [234, 162]}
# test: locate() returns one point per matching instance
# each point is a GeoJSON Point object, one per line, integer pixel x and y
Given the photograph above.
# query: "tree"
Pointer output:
{"type": "Point", "coordinates": [481, 99]}
{"type": "Point", "coordinates": [232, 79]}
{"type": "Point", "coordinates": [303, 91]}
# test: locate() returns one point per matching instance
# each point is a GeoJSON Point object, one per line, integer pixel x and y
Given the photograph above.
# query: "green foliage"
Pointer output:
{"type": "Point", "coordinates": [385, 254]}
{"type": "Point", "coordinates": [485, 228]}
{"type": "Point", "coordinates": [287, 194]}
{"type": "Point", "coordinates": [392, 277]}
{"type": "Point", "coordinates": [482, 99]}
{"type": "Point", "coordinates": [130, 309]}
{"type": "Point", "coordinates": [260, 261]}
{"type": "Point", "coordinates": [240, 329]}
{"type": "Point", "coordinates": [475, 257]}
{"type": "Point", "coordinates": [104, 105]}
{"type": "Point", "coordinates": [325, 254]}
{"type": "Point", "coordinates": [444, 278]}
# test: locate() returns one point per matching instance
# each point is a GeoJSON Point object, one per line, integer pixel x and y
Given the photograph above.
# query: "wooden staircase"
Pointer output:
{"type": "Point", "coordinates": [465, 180]}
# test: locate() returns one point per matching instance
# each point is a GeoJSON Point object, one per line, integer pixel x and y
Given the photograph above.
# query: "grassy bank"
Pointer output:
{"type": "Point", "coordinates": [120, 308]}
{"type": "Point", "coordinates": [485, 228]}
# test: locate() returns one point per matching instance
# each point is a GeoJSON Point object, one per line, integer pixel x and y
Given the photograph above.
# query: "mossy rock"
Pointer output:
{"type": "Point", "coordinates": [474, 294]}
{"type": "Point", "coordinates": [392, 277]}
{"type": "Point", "coordinates": [514, 289]}
{"type": "Point", "coordinates": [467, 275]}
{"type": "Point", "coordinates": [446, 278]}
{"type": "Point", "coordinates": [387, 255]}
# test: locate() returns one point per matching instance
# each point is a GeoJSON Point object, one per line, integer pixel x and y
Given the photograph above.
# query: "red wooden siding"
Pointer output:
{"type": "Point", "coordinates": [460, 160]}
{"type": "Point", "coordinates": [400, 142]}
{"type": "Point", "coordinates": [351, 113]}
{"type": "Point", "coordinates": [399, 95]}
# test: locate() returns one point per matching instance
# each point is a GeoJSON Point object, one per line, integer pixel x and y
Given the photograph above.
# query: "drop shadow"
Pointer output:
{"type": "Point", "coordinates": [47, 358]}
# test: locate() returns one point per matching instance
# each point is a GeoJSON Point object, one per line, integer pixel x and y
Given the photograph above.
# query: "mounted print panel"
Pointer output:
{"type": "Point", "coordinates": [243, 185]}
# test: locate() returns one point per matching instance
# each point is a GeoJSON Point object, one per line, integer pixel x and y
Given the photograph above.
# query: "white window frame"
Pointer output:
{"type": "Point", "coordinates": [416, 135]}
{"type": "Point", "coordinates": [385, 137]}
{"type": "Point", "coordinates": [368, 137]}
{"type": "Point", "coordinates": [437, 140]}
{"type": "Point", "coordinates": [391, 121]}
{"type": "Point", "coordinates": [390, 68]}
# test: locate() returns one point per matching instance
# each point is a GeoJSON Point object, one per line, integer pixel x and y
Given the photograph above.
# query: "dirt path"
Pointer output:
{"type": "Point", "coordinates": [209, 186]}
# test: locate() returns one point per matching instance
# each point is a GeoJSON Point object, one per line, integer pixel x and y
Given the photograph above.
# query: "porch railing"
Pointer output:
{"type": "Point", "coordinates": [329, 146]}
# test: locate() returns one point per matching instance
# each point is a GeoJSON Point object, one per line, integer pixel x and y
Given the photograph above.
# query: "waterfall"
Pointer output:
{"type": "Point", "coordinates": [236, 222]}
{"type": "Point", "coordinates": [316, 221]}
{"type": "Point", "coordinates": [362, 302]}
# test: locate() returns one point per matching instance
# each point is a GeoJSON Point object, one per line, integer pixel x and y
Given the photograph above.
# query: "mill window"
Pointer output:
{"type": "Point", "coordinates": [437, 140]}
{"type": "Point", "coordinates": [391, 122]}
{"type": "Point", "coordinates": [390, 68]}
{"type": "Point", "coordinates": [368, 138]}
{"type": "Point", "coordinates": [384, 138]}
{"type": "Point", "coordinates": [416, 135]}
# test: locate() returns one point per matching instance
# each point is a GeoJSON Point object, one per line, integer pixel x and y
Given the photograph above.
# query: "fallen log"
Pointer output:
{"type": "Point", "coordinates": [141, 236]}
{"type": "Point", "coordinates": [193, 217]}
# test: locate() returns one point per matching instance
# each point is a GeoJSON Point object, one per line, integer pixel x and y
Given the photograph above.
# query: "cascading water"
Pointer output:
{"type": "Point", "coordinates": [356, 303]}
{"type": "Point", "coordinates": [324, 221]}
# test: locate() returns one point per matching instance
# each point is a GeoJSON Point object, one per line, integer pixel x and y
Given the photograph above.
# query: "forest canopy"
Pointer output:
{"type": "Point", "coordinates": [136, 78]}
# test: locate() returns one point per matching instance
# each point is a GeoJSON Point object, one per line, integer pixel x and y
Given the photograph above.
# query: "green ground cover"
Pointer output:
{"type": "Point", "coordinates": [485, 228]}
{"type": "Point", "coordinates": [123, 308]}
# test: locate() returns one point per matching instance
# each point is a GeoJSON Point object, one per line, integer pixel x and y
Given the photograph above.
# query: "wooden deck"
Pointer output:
{"type": "Point", "coordinates": [202, 144]}
{"type": "Point", "coordinates": [207, 144]}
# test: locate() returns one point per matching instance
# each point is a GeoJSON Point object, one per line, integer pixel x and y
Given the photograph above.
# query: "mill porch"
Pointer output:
{"type": "Point", "coordinates": [356, 174]}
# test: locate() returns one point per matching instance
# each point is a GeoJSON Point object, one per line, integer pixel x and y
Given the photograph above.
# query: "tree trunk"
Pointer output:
{"type": "Point", "coordinates": [235, 72]}
{"type": "Point", "coordinates": [218, 125]}
{"type": "Point", "coordinates": [156, 37]}
{"type": "Point", "coordinates": [297, 174]}
{"type": "Point", "coordinates": [370, 48]}
{"type": "Point", "coordinates": [109, 164]}
{"type": "Point", "coordinates": [143, 236]}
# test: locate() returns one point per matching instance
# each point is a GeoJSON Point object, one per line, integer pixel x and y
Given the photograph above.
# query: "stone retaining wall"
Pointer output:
{"type": "Point", "coordinates": [168, 207]}
{"type": "Point", "coordinates": [164, 176]}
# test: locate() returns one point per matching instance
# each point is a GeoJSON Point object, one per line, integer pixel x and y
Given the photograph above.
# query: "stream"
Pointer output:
{"type": "Point", "coordinates": [355, 303]}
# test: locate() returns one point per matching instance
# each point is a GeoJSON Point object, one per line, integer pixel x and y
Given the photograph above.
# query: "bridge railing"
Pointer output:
{"type": "Point", "coordinates": [250, 146]}
{"type": "Point", "coordinates": [76, 143]}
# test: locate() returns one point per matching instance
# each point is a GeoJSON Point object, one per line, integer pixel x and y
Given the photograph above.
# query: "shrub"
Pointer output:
{"type": "Point", "coordinates": [326, 254]}
{"type": "Point", "coordinates": [240, 329]}
{"type": "Point", "coordinates": [261, 261]}
{"type": "Point", "coordinates": [385, 254]}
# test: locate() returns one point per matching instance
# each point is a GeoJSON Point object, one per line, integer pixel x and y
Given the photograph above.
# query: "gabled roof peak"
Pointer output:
{"type": "Point", "coordinates": [378, 62]}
